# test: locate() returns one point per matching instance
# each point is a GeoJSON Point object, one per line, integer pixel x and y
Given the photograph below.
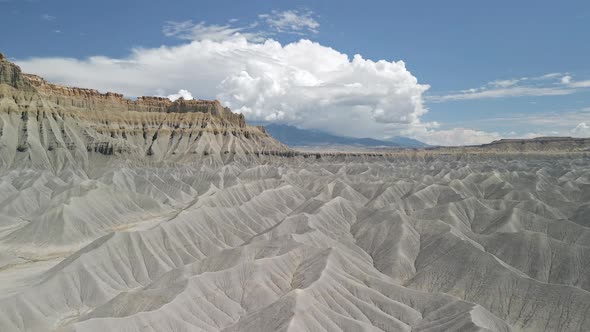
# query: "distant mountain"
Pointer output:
{"type": "Point", "coordinates": [294, 136]}
{"type": "Point", "coordinates": [408, 142]}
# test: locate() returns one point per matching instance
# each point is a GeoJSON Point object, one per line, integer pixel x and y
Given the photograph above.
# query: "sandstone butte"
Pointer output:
{"type": "Point", "coordinates": [55, 125]}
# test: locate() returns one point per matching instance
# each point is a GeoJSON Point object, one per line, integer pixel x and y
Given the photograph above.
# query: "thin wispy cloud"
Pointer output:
{"type": "Point", "coordinates": [189, 30]}
{"type": "Point", "coordinates": [520, 91]}
{"type": "Point", "coordinates": [291, 21]}
{"type": "Point", "coordinates": [504, 83]}
{"type": "Point", "coordinates": [572, 122]}
{"type": "Point", "coordinates": [552, 84]}
{"type": "Point", "coordinates": [267, 25]}
{"type": "Point", "coordinates": [561, 118]}
{"type": "Point", "coordinates": [48, 17]}
{"type": "Point", "coordinates": [580, 84]}
{"type": "Point", "coordinates": [548, 76]}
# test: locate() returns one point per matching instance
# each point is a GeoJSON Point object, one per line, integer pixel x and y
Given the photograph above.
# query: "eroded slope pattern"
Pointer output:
{"type": "Point", "coordinates": [294, 244]}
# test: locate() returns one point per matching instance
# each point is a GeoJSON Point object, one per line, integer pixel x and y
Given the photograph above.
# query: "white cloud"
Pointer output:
{"type": "Point", "coordinates": [188, 30]}
{"type": "Point", "coordinates": [548, 76]}
{"type": "Point", "coordinates": [581, 130]}
{"type": "Point", "coordinates": [545, 124]}
{"type": "Point", "coordinates": [457, 136]}
{"type": "Point", "coordinates": [504, 83]}
{"type": "Point", "coordinates": [301, 83]}
{"type": "Point", "coordinates": [48, 17]}
{"type": "Point", "coordinates": [552, 84]}
{"type": "Point", "coordinates": [556, 120]}
{"type": "Point", "coordinates": [466, 136]}
{"type": "Point", "coordinates": [517, 91]}
{"type": "Point", "coordinates": [291, 21]}
{"type": "Point", "coordinates": [580, 84]}
{"type": "Point", "coordinates": [182, 93]}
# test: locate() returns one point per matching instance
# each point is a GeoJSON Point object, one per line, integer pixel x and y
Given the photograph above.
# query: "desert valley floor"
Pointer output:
{"type": "Point", "coordinates": [449, 243]}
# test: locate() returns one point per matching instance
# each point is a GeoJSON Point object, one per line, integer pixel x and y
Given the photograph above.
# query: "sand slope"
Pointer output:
{"type": "Point", "coordinates": [442, 245]}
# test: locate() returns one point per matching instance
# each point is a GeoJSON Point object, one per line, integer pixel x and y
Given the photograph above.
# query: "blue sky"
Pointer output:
{"type": "Point", "coordinates": [472, 71]}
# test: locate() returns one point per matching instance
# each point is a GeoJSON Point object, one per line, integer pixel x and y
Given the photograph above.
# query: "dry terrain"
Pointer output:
{"type": "Point", "coordinates": [151, 215]}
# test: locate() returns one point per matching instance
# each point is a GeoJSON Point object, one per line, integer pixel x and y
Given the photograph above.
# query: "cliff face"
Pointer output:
{"type": "Point", "coordinates": [45, 125]}
{"type": "Point", "coordinates": [10, 74]}
{"type": "Point", "coordinates": [90, 98]}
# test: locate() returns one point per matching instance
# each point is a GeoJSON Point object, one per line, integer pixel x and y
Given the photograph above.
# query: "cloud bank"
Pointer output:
{"type": "Point", "coordinates": [302, 83]}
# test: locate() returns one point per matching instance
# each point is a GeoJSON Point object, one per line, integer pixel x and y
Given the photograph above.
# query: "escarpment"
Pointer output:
{"type": "Point", "coordinates": [53, 126]}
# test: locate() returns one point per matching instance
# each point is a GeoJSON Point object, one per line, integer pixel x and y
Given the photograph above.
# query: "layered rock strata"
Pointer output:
{"type": "Point", "coordinates": [45, 125]}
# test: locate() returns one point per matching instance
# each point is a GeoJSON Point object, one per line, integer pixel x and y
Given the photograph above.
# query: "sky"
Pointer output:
{"type": "Point", "coordinates": [443, 72]}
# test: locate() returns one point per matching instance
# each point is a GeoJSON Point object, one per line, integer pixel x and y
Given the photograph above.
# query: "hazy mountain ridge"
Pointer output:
{"type": "Point", "coordinates": [296, 137]}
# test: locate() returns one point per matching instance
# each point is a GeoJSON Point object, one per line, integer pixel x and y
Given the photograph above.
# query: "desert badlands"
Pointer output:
{"type": "Point", "coordinates": [152, 215]}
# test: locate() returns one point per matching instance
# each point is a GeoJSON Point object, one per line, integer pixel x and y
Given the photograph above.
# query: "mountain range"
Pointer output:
{"type": "Point", "coordinates": [298, 137]}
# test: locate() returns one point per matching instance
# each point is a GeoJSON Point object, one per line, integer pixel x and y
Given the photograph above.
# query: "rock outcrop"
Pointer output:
{"type": "Point", "coordinates": [46, 125]}
{"type": "Point", "coordinates": [10, 74]}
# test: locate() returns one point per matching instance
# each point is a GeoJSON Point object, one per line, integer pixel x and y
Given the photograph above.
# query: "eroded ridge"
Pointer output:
{"type": "Point", "coordinates": [441, 245]}
{"type": "Point", "coordinates": [49, 126]}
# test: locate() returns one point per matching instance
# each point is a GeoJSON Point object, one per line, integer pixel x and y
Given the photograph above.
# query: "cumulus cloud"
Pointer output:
{"type": "Point", "coordinates": [302, 83]}
{"type": "Point", "coordinates": [581, 130]}
{"type": "Point", "coordinates": [291, 21]}
{"type": "Point", "coordinates": [311, 84]}
{"type": "Point", "coordinates": [182, 93]}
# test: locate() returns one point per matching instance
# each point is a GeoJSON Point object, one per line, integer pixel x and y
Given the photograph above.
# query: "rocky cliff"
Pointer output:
{"type": "Point", "coordinates": [45, 125]}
